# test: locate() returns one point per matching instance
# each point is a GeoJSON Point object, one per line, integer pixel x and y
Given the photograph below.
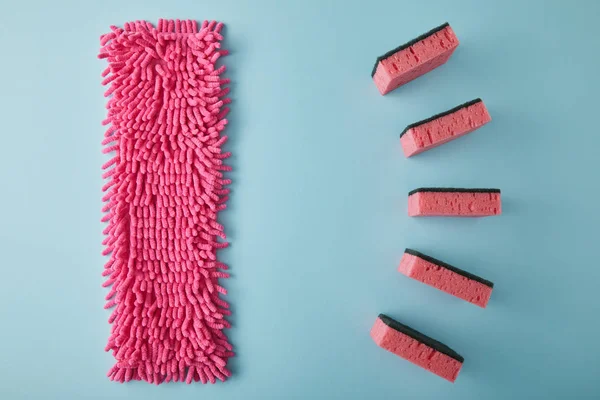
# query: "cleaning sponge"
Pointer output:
{"type": "Point", "coordinates": [444, 127]}
{"type": "Point", "coordinates": [454, 202]}
{"type": "Point", "coordinates": [414, 58]}
{"type": "Point", "coordinates": [446, 277]}
{"type": "Point", "coordinates": [417, 348]}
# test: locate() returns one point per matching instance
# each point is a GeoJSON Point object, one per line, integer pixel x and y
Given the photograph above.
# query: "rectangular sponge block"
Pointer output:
{"type": "Point", "coordinates": [414, 58]}
{"type": "Point", "coordinates": [446, 277]}
{"type": "Point", "coordinates": [417, 348]}
{"type": "Point", "coordinates": [444, 127]}
{"type": "Point", "coordinates": [454, 202]}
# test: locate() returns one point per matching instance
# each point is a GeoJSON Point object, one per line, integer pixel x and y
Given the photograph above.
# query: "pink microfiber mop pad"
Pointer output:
{"type": "Point", "coordinates": [165, 188]}
{"type": "Point", "coordinates": [444, 127]}
{"type": "Point", "coordinates": [446, 277]}
{"type": "Point", "coordinates": [454, 202]}
{"type": "Point", "coordinates": [417, 348]}
{"type": "Point", "coordinates": [415, 58]}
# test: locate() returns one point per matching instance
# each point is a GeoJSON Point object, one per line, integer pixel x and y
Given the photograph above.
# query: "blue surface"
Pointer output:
{"type": "Point", "coordinates": [318, 217]}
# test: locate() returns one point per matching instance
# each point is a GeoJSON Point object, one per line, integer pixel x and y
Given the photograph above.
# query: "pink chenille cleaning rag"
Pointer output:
{"type": "Point", "coordinates": [165, 187]}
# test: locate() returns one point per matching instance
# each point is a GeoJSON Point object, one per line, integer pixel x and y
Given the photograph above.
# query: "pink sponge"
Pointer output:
{"type": "Point", "coordinates": [415, 58]}
{"type": "Point", "coordinates": [445, 277]}
{"type": "Point", "coordinates": [417, 348]}
{"type": "Point", "coordinates": [454, 202]}
{"type": "Point", "coordinates": [444, 127]}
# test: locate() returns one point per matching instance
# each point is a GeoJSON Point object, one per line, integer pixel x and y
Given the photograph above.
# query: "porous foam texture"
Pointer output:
{"type": "Point", "coordinates": [454, 202]}
{"type": "Point", "coordinates": [414, 58]}
{"type": "Point", "coordinates": [166, 116]}
{"type": "Point", "coordinates": [416, 347]}
{"type": "Point", "coordinates": [444, 127]}
{"type": "Point", "coordinates": [446, 277]}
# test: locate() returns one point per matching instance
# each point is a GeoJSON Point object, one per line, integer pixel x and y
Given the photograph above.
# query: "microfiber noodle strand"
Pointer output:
{"type": "Point", "coordinates": [164, 188]}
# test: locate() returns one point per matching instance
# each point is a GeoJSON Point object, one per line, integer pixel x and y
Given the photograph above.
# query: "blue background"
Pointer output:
{"type": "Point", "coordinates": [318, 218]}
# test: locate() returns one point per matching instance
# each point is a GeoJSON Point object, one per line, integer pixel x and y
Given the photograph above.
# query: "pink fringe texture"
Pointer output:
{"type": "Point", "coordinates": [165, 187]}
